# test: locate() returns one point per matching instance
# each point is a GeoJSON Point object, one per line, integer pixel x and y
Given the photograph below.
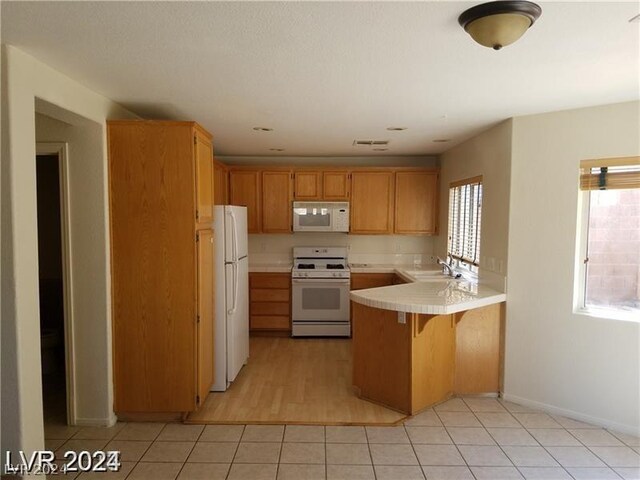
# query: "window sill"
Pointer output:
{"type": "Point", "coordinates": [609, 314]}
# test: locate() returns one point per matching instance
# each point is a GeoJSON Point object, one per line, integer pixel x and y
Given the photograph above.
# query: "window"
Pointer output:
{"type": "Point", "coordinates": [610, 272]}
{"type": "Point", "coordinates": [465, 214]}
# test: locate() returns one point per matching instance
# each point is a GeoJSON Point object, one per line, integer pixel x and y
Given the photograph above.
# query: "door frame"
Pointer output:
{"type": "Point", "coordinates": [61, 150]}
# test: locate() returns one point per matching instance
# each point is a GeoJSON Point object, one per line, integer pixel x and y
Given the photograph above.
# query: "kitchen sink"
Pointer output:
{"type": "Point", "coordinates": [431, 276]}
{"type": "Point", "coordinates": [425, 273]}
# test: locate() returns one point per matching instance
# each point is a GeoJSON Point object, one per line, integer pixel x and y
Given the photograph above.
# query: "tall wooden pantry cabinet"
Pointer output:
{"type": "Point", "coordinates": [161, 211]}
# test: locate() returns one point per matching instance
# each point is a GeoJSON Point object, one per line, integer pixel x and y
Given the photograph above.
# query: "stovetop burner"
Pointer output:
{"type": "Point", "coordinates": [306, 266]}
{"type": "Point", "coordinates": [335, 266]}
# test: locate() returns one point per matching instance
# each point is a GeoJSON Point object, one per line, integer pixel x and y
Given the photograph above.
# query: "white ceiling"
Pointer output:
{"type": "Point", "coordinates": [322, 74]}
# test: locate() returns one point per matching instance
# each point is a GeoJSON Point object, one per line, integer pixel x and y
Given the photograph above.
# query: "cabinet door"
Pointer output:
{"type": "Point", "coordinates": [220, 185]}
{"type": "Point", "coordinates": [205, 332]}
{"type": "Point", "coordinates": [204, 178]}
{"type": "Point", "coordinates": [335, 185]}
{"type": "Point", "coordinates": [360, 281]}
{"type": "Point", "coordinates": [276, 202]}
{"type": "Point", "coordinates": [416, 202]}
{"type": "Point", "coordinates": [244, 191]}
{"type": "Point", "coordinates": [307, 185]}
{"type": "Point", "coordinates": [372, 202]}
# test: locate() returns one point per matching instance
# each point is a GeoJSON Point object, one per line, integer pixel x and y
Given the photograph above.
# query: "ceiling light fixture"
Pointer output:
{"type": "Point", "coordinates": [396, 129]}
{"type": "Point", "coordinates": [500, 23]}
{"type": "Point", "coordinates": [277, 149]}
{"type": "Point", "coordinates": [263, 129]}
{"type": "Point", "coordinates": [442, 140]}
{"type": "Point", "coordinates": [380, 149]}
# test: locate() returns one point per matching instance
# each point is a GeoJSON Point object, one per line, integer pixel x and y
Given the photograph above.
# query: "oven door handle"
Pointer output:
{"type": "Point", "coordinates": [310, 281]}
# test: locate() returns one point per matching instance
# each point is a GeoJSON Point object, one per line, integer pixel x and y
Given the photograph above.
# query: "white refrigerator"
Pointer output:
{"type": "Point", "coordinates": [231, 341]}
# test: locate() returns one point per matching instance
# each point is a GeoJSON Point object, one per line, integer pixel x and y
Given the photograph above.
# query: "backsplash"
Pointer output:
{"type": "Point", "coordinates": [405, 249]}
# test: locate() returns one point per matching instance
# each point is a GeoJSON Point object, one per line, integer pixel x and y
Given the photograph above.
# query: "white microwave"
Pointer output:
{"type": "Point", "coordinates": [321, 217]}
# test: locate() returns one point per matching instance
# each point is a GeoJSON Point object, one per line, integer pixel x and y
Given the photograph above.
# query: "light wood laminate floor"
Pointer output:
{"type": "Point", "coordinates": [294, 381]}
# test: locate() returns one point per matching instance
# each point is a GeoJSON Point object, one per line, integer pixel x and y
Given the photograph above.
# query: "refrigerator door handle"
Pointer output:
{"type": "Point", "coordinates": [234, 236]}
{"type": "Point", "coordinates": [235, 289]}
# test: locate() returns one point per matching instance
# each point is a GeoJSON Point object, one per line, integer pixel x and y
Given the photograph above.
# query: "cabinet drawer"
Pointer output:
{"type": "Point", "coordinates": [269, 322]}
{"type": "Point", "coordinates": [269, 308]}
{"type": "Point", "coordinates": [270, 281]}
{"type": "Point", "coordinates": [269, 295]}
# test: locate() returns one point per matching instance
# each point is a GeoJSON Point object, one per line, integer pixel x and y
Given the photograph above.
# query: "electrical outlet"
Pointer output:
{"type": "Point", "coordinates": [402, 317]}
{"type": "Point", "coordinates": [263, 247]}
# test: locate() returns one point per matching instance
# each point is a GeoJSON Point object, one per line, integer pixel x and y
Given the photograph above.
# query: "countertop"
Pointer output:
{"type": "Point", "coordinates": [438, 295]}
{"type": "Point", "coordinates": [270, 267]}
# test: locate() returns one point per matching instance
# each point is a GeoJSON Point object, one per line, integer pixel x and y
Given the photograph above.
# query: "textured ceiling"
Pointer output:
{"type": "Point", "coordinates": [322, 74]}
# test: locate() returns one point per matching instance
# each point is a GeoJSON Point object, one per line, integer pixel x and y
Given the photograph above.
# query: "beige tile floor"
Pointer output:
{"type": "Point", "coordinates": [470, 438]}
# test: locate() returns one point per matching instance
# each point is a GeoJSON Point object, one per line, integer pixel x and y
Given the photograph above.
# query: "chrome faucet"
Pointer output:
{"type": "Point", "coordinates": [447, 267]}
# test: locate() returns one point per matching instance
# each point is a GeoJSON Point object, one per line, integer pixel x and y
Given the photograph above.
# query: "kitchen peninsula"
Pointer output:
{"type": "Point", "coordinates": [421, 342]}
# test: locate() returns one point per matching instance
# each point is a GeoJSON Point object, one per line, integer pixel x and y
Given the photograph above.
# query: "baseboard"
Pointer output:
{"type": "Point", "coordinates": [110, 421]}
{"type": "Point", "coordinates": [581, 417]}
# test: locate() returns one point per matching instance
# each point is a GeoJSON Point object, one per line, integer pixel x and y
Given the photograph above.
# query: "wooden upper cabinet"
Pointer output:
{"type": "Point", "coordinates": [276, 201]}
{"type": "Point", "coordinates": [220, 184]}
{"type": "Point", "coordinates": [205, 329]}
{"type": "Point", "coordinates": [372, 201]}
{"type": "Point", "coordinates": [416, 202]}
{"type": "Point", "coordinates": [335, 185]}
{"type": "Point", "coordinates": [204, 177]}
{"type": "Point", "coordinates": [244, 191]}
{"type": "Point", "coordinates": [307, 185]}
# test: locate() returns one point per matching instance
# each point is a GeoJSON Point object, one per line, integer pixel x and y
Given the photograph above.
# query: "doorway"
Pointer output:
{"type": "Point", "coordinates": [53, 279]}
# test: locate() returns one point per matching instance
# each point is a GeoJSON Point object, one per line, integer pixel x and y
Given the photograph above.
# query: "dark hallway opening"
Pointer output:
{"type": "Point", "coordinates": [50, 269]}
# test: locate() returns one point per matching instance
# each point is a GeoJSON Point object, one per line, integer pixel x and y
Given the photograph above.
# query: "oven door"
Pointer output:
{"type": "Point", "coordinates": [320, 299]}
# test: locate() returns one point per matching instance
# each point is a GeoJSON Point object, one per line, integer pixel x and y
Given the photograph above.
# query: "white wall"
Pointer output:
{"type": "Point", "coordinates": [24, 80]}
{"type": "Point", "coordinates": [90, 305]}
{"type": "Point", "coordinates": [584, 367]}
{"type": "Point", "coordinates": [487, 154]}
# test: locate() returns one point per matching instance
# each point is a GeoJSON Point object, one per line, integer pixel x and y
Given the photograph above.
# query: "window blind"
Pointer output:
{"type": "Point", "coordinates": [610, 173]}
{"type": "Point", "coordinates": [465, 219]}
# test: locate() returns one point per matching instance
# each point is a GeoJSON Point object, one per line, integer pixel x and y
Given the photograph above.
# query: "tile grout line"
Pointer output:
{"type": "Point", "coordinates": [190, 451]}
{"type": "Point", "coordinates": [284, 431]}
{"type": "Point", "coordinates": [424, 475]}
{"type": "Point", "coordinates": [454, 443]}
{"type": "Point", "coordinates": [373, 467]}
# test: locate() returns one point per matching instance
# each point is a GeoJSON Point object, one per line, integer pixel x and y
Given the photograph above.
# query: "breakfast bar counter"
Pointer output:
{"type": "Point", "coordinates": [419, 343]}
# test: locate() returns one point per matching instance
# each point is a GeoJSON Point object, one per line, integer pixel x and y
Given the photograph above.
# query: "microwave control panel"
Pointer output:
{"type": "Point", "coordinates": [341, 221]}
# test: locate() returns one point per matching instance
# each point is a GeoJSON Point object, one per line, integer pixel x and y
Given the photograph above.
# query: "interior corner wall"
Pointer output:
{"type": "Point", "coordinates": [26, 79]}
{"type": "Point", "coordinates": [487, 154]}
{"type": "Point", "coordinates": [584, 367]}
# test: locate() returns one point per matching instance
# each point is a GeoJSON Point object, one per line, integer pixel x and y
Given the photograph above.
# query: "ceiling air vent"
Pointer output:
{"type": "Point", "coordinates": [370, 143]}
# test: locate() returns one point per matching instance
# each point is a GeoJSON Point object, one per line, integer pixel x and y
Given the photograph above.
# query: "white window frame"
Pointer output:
{"type": "Point", "coordinates": [459, 263]}
{"type": "Point", "coordinates": [580, 279]}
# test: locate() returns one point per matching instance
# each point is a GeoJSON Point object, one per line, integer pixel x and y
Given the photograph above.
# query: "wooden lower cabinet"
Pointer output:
{"type": "Point", "coordinates": [269, 303]}
{"type": "Point", "coordinates": [412, 363]}
{"type": "Point", "coordinates": [206, 312]}
{"type": "Point", "coordinates": [360, 281]}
